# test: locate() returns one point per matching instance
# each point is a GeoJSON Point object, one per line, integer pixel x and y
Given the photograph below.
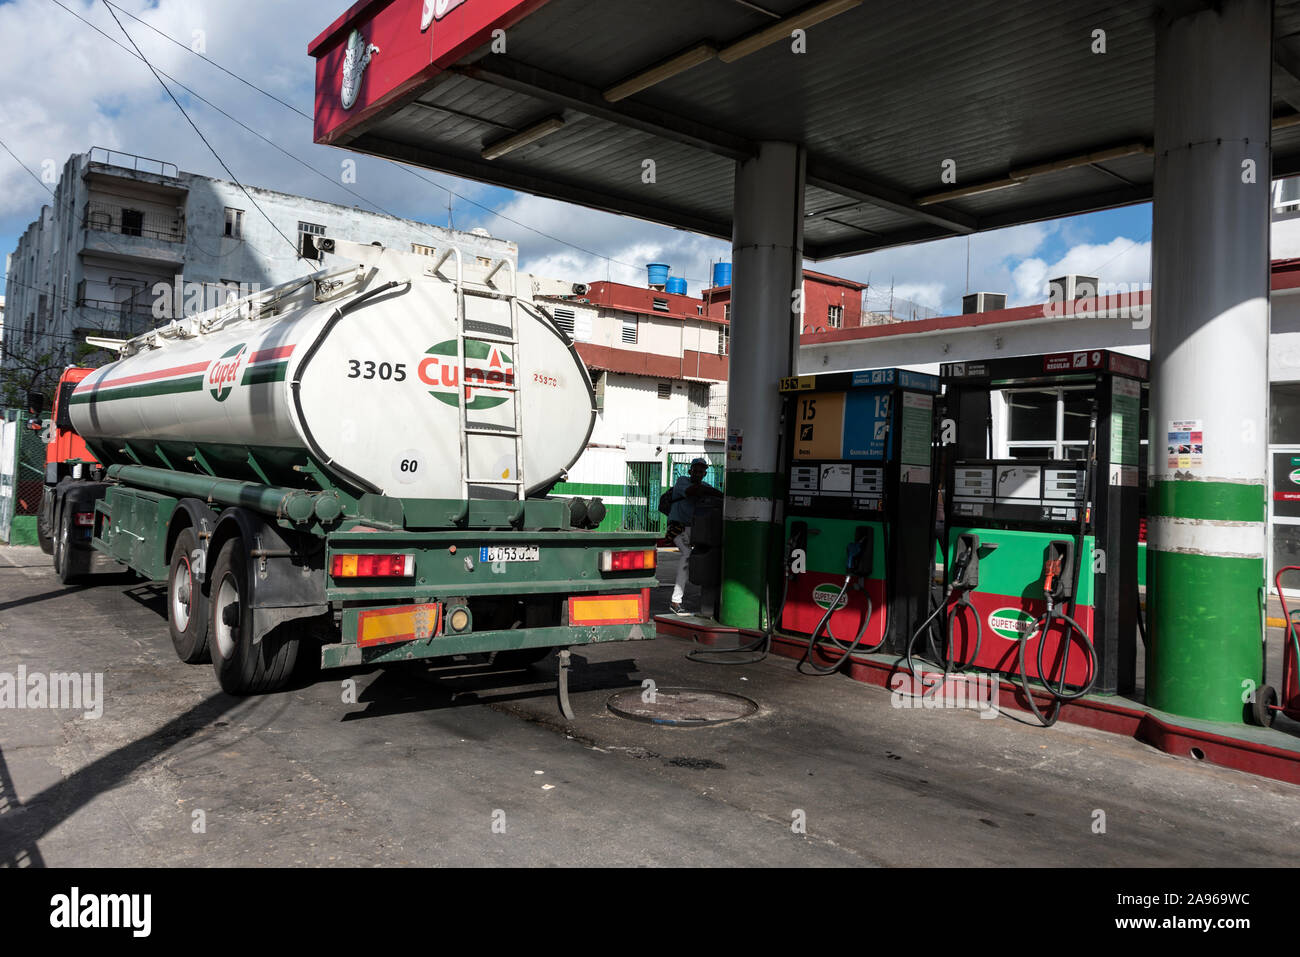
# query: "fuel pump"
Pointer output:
{"type": "Point", "coordinates": [1041, 496]}
{"type": "Point", "coordinates": [860, 471]}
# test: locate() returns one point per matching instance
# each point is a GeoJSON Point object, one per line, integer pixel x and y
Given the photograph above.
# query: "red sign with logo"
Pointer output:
{"type": "Point", "coordinates": [380, 50]}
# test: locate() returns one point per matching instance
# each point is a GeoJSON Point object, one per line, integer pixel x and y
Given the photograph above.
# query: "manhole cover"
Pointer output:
{"type": "Point", "coordinates": [681, 706]}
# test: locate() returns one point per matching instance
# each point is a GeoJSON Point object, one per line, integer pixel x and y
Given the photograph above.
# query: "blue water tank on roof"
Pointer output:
{"type": "Point", "coordinates": [722, 274]}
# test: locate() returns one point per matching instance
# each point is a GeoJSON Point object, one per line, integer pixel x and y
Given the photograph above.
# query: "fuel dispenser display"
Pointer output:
{"type": "Point", "coordinates": [1041, 502]}
{"type": "Point", "coordinates": [859, 509]}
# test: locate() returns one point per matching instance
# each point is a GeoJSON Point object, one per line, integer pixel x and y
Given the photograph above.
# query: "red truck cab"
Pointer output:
{"type": "Point", "coordinates": [67, 459]}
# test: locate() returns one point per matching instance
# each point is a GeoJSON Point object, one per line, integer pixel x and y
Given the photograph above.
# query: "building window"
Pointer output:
{"type": "Point", "coordinates": [1047, 423]}
{"type": "Point", "coordinates": [834, 316]}
{"type": "Point", "coordinates": [665, 390]}
{"type": "Point", "coordinates": [726, 312]}
{"type": "Point", "coordinates": [132, 222]}
{"type": "Point", "coordinates": [307, 233]}
{"type": "Point", "coordinates": [629, 329]}
{"type": "Point", "coordinates": [234, 223]}
{"type": "Point", "coordinates": [661, 304]}
{"type": "Point", "coordinates": [600, 390]}
{"type": "Point", "coordinates": [724, 340]}
{"type": "Point", "coordinates": [483, 261]}
{"type": "Point", "coordinates": [422, 250]}
{"type": "Point", "coordinates": [565, 319]}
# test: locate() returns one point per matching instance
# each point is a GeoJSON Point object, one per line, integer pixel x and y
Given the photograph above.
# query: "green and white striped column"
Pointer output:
{"type": "Point", "coordinates": [766, 291]}
{"type": "Point", "coordinates": [1209, 360]}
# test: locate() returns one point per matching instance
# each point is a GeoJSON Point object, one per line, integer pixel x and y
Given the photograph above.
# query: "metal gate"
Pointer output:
{"type": "Point", "coordinates": [679, 464]}
{"type": "Point", "coordinates": [641, 497]}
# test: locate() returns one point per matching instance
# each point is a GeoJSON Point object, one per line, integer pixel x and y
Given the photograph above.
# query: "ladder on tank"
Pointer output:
{"type": "Point", "coordinates": [492, 334]}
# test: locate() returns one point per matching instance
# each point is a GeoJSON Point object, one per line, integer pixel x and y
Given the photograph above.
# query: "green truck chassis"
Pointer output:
{"type": "Point", "coordinates": [254, 569]}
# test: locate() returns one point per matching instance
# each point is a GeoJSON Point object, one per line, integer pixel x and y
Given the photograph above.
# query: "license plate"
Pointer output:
{"type": "Point", "coordinates": [510, 553]}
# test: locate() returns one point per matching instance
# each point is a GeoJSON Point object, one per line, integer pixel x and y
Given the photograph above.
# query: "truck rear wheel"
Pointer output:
{"type": "Point", "coordinates": [187, 606]}
{"type": "Point", "coordinates": [241, 666]}
{"type": "Point", "coordinates": [43, 536]}
{"type": "Point", "coordinates": [69, 561]}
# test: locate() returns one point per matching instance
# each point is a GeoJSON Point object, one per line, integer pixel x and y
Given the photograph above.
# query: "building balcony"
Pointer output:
{"type": "Point", "coordinates": [113, 230]}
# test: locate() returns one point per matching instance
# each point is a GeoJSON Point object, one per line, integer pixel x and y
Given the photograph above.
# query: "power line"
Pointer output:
{"type": "Point", "coordinates": [329, 179]}
{"type": "Point", "coordinates": [407, 169]}
{"type": "Point", "coordinates": [208, 59]}
{"type": "Point", "coordinates": [44, 185]}
{"type": "Point", "coordinates": [196, 129]}
{"type": "Point", "coordinates": [232, 119]}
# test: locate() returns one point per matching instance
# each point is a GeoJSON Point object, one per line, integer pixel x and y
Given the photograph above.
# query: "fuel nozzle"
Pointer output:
{"type": "Point", "coordinates": [798, 541]}
{"type": "Point", "coordinates": [1058, 571]}
{"type": "Point", "coordinates": [858, 553]}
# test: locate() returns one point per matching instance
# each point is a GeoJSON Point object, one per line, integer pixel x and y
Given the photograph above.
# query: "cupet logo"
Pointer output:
{"type": "Point", "coordinates": [1295, 476]}
{"type": "Point", "coordinates": [485, 363]}
{"type": "Point", "coordinates": [1011, 623]}
{"type": "Point", "coordinates": [223, 373]}
{"type": "Point", "coordinates": [824, 595]}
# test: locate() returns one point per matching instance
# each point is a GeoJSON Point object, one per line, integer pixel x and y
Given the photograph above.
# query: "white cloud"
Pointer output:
{"type": "Point", "coordinates": [1119, 261]}
{"type": "Point", "coordinates": [630, 242]}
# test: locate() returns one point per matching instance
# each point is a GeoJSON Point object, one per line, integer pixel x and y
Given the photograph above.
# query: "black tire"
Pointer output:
{"type": "Point", "coordinates": [187, 606]}
{"type": "Point", "coordinates": [1263, 705]}
{"type": "Point", "coordinates": [44, 536]}
{"type": "Point", "coordinates": [69, 561]}
{"type": "Point", "coordinates": [241, 666]}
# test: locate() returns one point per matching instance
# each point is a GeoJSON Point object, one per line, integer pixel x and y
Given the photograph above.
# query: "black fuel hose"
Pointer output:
{"type": "Point", "coordinates": [1057, 691]}
{"type": "Point", "coordinates": [758, 649]}
{"type": "Point", "coordinates": [953, 608]}
{"type": "Point", "coordinates": [812, 639]}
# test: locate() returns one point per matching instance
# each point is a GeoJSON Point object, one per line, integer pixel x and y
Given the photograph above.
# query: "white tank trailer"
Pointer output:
{"type": "Point", "coordinates": [352, 466]}
{"type": "Point", "coordinates": [360, 373]}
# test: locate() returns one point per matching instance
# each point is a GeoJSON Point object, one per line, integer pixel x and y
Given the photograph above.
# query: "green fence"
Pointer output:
{"type": "Point", "coordinates": [22, 478]}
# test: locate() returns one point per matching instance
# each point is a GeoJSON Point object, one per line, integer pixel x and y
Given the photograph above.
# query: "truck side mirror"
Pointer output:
{"type": "Point", "coordinates": [35, 402]}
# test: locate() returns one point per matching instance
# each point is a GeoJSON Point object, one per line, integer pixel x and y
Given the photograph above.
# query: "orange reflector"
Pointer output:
{"type": "Point", "coordinates": [387, 626]}
{"type": "Point", "coordinates": [373, 566]}
{"type": "Point", "coordinates": [631, 609]}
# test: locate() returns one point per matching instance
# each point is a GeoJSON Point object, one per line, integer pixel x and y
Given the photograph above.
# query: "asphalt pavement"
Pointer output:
{"type": "Point", "coordinates": [460, 764]}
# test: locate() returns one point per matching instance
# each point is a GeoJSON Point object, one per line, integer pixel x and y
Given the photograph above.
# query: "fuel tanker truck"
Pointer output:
{"type": "Point", "coordinates": [353, 465]}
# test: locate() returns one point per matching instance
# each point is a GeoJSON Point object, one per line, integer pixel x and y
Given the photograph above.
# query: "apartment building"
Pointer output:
{"type": "Point", "coordinates": [128, 242]}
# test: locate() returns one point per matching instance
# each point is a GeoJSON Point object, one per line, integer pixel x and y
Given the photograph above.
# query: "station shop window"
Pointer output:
{"type": "Point", "coordinates": [1050, 423]}
{"type": "Point", "coordinates": [1284, 413]}
{"type": "Point", "coordinates": [665, 390]}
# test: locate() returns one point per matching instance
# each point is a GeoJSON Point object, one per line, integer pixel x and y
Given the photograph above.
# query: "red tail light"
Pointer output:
{"type": "Point", "coordinates": [373, 566]}
{"type": "Point", "coordinates": [86, 518]}
{"type": "Point", "coordinates": [627, 561]}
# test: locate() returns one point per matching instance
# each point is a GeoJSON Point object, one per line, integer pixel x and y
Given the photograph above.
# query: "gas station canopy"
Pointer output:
{"type": "Point", "coordinates": [1044, 108]}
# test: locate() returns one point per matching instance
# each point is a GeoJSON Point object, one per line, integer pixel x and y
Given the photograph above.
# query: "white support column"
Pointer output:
{"type": "Point", "coordinates": [1209, 358]}
{"type": "Point", "coordinates": [767, 272]}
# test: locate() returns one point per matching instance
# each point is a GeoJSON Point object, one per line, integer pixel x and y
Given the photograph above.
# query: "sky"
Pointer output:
{"type": "Point", "coordinates": [68, 88]}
